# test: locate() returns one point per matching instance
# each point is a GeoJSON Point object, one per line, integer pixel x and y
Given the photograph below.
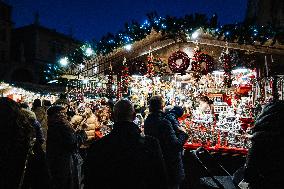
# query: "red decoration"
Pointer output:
{"type": "Point", "coordinates": [246, 123]}
{"type": "Point", "coordinates": [227, 79]}
{"type": "Point", "coordinates": [124, 77]}
{"type": "Point", "coordinates": [228, 99]}
{"type": "Point", "coordinates": [226, 60]}
{"type": "Point", "coordinates": [243, 89]}
{"type": "Point", "coordinates": [150, 67]}
{"type": "Point", "coordinates": [202, 63]}
{"type": "Point", "coordinates": [110, 82]}
{"type": "Point", "coordinates": [176, 56]}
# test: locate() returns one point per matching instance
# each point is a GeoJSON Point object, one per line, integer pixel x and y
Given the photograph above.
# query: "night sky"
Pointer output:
{"type": "Point", "coordinates": [92, 18]}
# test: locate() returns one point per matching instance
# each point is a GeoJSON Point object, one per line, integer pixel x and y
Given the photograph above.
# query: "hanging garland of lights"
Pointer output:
{"type": "Point", "coordinates": [150, 67]}
{"type": "Point", "coordinates": [110, 82]}
{"type": "Point", "coordinates": [227, 80]}
{"type": "Point", "coordinates": [172, 62]}
{"type": "Point", "coordinates": [124, 77]}
{"type": "Point", "coordinates": [202, 63]}
{"type": "Point", "coordinates": [226, 61]}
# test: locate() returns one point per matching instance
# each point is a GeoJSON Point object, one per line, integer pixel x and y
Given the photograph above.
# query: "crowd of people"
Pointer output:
{"type": "Point", "coordinates": [65, 145]}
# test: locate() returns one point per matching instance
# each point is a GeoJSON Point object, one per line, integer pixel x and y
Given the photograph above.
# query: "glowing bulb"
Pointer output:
{"type": "Point", "coordinates": [82, 66]}
{"type": "Point", "coordinates": [96, 70]}
{"type": "Point", "coordinates": [89, 51]}
{"type": "Point", "coordinates": [128, 47]}
{"type": "Point", "coordinates": [195, 34]}
{"type": "Point", "coordinates": [64, 61]}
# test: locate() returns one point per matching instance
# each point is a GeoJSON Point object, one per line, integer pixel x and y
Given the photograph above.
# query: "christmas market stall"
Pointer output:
{"type": "Point", "coordinates": [237, 78]}
{"type": "Point", "coordinates": [21, 92]}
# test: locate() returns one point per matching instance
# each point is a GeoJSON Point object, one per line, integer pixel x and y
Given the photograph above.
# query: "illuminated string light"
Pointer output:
{"type": "Point", "coordinates": [64, 61]}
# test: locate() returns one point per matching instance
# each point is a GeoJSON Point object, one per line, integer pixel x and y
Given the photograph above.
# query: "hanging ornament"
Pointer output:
{"type": "Point", "coordinates": [110, 82]}
{"type": "Point", "coordinates": [172, 62]}
{"type": "Point", "coordinates": [150, 67]}
{"type": "Point", "coordinates": [226, 60]}
{"type": "Point", "coordinates": [202, 63]}
{"type": "Point", "coordinates": [124, 77]}
{"type": "Point", "coordinates": [227, 80]}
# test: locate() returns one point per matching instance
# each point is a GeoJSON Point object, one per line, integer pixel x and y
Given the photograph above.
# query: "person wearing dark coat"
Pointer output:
{"type": "Point", "coordinates": [264, 165]}
{"type": "Point", "coordinates": [124, 158]}
{"type": "Point", "coordinates": [173, 114]}
{"type": "Point", "coordinates": [171, 142]}
{"type": "Point", "coordinates": [36, 170]}
{"type": "Point", "coordinates": [16, 141]}
{"type": "Point", "coordinates": [41, 117]}
{"type": "Point", "coordinates": [63, 158]}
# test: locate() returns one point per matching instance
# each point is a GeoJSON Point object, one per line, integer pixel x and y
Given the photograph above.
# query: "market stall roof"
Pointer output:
{"type": "Point", "coordinates": [42, 89]}
{"type": "Point", "coordinates": [156, 41]}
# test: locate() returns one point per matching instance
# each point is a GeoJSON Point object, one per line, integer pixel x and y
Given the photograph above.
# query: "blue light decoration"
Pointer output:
{"type": "Point", "coordinates": [52, 72]}
{"type": "Point", "coordinates": [145, 25]}
{"type": "Point", "coordinates": [127, 39]}
{"type": "Point", "coordinates": [111, 41]}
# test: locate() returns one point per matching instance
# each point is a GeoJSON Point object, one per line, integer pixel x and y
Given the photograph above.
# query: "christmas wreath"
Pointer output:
{"type": "Point", "coordinates": [172, 62]}
{"type": "Point", "coordinates": [202, 63]}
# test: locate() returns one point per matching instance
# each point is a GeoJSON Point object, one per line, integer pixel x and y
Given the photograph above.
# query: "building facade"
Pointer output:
{"type": "Point", "coordinates": [6, 26]}
{"type": "Point", "coordinates": [263, 12]}
{"type": "Point", "coordinates": [34, 48]}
